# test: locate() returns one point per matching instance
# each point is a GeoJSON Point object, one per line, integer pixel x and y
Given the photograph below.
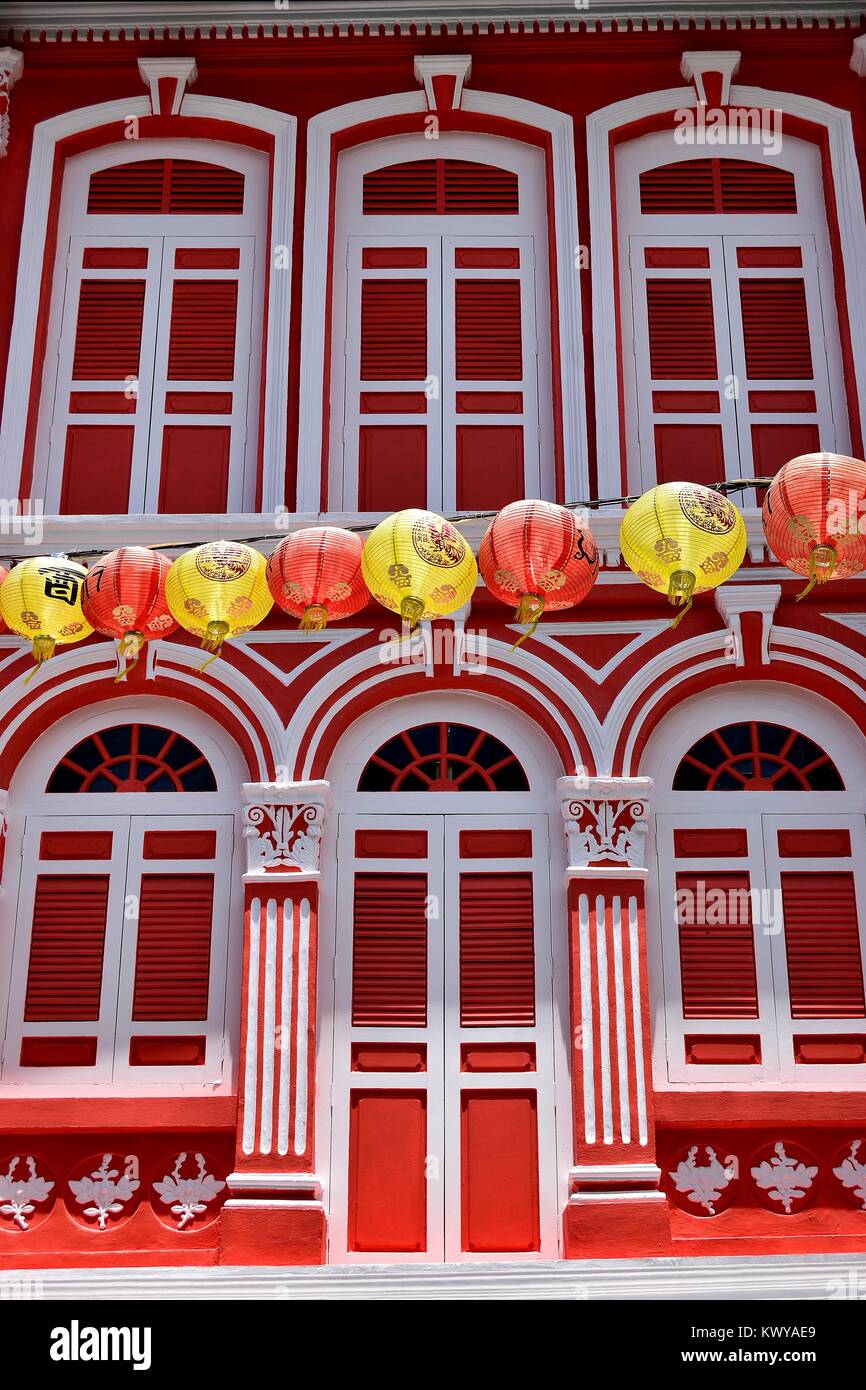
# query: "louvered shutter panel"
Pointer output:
{"type": "Point", "coordinates": [67, 943]}
{"type": "Point", "coordinates": [389, 951]}
{"type": "Point", "coordinates": [717, 950]}
{"type": "Point", "coordinates": [497, 954]}
{"type": "Point", "coordinates": [172, 961]}
{"type": "Point", "coordinates": [680, 356]}
{"type": "Point", "coordinates": [691, 186]}
{"type": "Point", "coordinates": [393, 330]}
{"type": "Point", "coordinates": [187, 186]}
{"type": "Point", "coordinates": [454, 187]}
{"type": "Point", "coordinates": [822, 944]}
{"type": "Point", "coordinates": [488, 339]}
{"type": "Point", "coordinates": [783, 403]}
{"type": "Point", "coordinates": [203, 370]}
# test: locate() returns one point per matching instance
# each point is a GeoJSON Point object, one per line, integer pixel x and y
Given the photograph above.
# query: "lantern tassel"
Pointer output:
{"type": "Point", "coordinates": [315, 617]}
{"type": "Point", "coordinates": [43, 649]}
{"type": "Point", "coordinates": [215, 634]}
{"type": "Point", "coordinates": [128, 652]}
{"type": "Point", "coordinates": [681, 593]}
{"type": "Point", "coordinates": [822, 563]}
{"type": "Point", "coordinates": [412, 611]}
{"type": "Point", "coordinates": [529, 610]}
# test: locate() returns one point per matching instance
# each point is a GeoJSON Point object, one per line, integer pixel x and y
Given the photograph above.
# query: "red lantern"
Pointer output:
{"type": "Point", "coordinates": [3, 574]}
{"type": "Point", "coordinates": [538, 557]}
{"type": "Point", "coordinates": [815, 517]}
{"type": "Point", "coordinates": [124, 597]}
{"type": "Point", "coordinates": [315, 574]}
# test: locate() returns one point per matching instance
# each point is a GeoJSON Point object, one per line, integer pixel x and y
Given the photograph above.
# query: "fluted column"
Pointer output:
{"type": "Point", "coordinates": [275, 1213]}
{"type": "Point", "coordinates": [614, 1205]}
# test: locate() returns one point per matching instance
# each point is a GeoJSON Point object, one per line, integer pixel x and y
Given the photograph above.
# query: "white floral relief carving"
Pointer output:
{"type": "Point", "coordinates": [607, 829]}
{"type": "Point", "coordinates": [283, 836]}
{"type": "Point", "coordinates": [188, 1197]}
{"type": "Point", "coordinates": [18, 1196]}
{"type": "Point", "coordinates": [107, 1190]}
{"type": "Point", "coordinates": [784, 1179]}
{"type": "Point", "coordinates": [704, 1183]}
{"type": "Point", "coordinates": [852, 1173]}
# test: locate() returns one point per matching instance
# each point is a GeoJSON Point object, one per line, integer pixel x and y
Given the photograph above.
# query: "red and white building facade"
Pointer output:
{"type": "Point", "coordinates": [345, 952]}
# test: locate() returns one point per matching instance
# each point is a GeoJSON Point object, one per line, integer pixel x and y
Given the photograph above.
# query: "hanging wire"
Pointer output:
{"type": "Point", "coordinates": [588, 504]}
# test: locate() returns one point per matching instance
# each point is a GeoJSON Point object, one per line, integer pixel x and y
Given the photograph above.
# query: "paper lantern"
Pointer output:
{"type": "Point", "coordinates": [538, 556]}
{"type": "Point", "coordinates": [3, 573]}
{"type": "Point", "coordinates": [682, 539]}
{"type": "Point", "coordinates": [218, 590]}
{"type": "Point", "coordinates": [124, 597]}
{"type": "Point", "coordinates": [315, 575]}
{"type": "Point", "coordinates": [419, 566]}
{"type": "Point", "coordinates": [41, 599]}
{"type": "Point", "coordinates": [815, 516]}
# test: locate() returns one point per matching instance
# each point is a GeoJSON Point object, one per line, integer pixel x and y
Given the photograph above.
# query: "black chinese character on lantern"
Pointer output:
{"type": "Point", "coordinates": [62, 585]}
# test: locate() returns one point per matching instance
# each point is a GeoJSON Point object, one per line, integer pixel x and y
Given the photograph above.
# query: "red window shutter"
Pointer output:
{"type": "Point", "coordinates": [195, 187]}
{"type": "Point", "coordinates": [717, 957]}
{"type": "Point", "coordinates": [203, 324]}
{"type": "Point", "coordinates": [753, 187]}
{"type": "Point", "coordinates": [451, 186]}
{"type": "Point", "coordinates": [681, 330]}
{"type": "Point", "coordinates": [64, 976]}
{"type": "Point", "coordinates": [393, 330]}
{"type": "Point", "coordinates": [133, 188]}
{"type": "Point", "coordinates": [822, 942]}
{"type": "Point", "coordinates": [479, 189]}
{"type": "Point", "coordinates": [489, 346]}
{"type": "Point", "coordinates": [172, 959]}
{"type": "Point", "coordinates": [187, 186]}
{"type": "Point", "coordinates": [776, 329]}
{"type": "Point", "coordinates": [717, 185]}
{"type": "Point", "coordinates": [497, 951]}
{"type": "Point", "coordinates": [682, 187]}
{"type": "Point", "coordinates": [389, 965]}
{"type": "Point", "coordinates": [108, 331]}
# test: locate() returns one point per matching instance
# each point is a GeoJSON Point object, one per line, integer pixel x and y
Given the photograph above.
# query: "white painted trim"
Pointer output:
{"type": "Point", "coordinates": [37, 207]}
{"type": "Point", "coordinates": [844, 169]}
{"type": "Point", "coordinates": [765, 1277]}
{"type": "Point", "coordinates": [315, 388]}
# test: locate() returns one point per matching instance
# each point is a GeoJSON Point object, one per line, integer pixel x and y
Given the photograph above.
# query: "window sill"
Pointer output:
{"type": "Point", "coordinates": [36, 1114]}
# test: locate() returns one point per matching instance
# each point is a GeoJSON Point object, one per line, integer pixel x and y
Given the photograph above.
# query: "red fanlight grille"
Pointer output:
{"type": "Point", "coordinates": [166, 186]}
{"type": "Point", "coordinates": [717, 186]}
{"type": "Point", "coordinates": [449, 186]}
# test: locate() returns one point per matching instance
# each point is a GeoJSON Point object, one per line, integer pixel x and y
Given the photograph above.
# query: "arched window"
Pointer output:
{"type": "Point", "coordinates": [441, 392]}
{"type": "Point", "coordinates": [756, 756]}
{"type": "Point", "coordinates": [133, 758]}
{"type": "Point", "coordinates": [730, 342]}
{"type": "Point", "coordinates": [121, 934]}
{"type": "Point", "coordinates": [443, 757]}
{"type": "Point", "coordinates": [156, 331]}
{"type": "Point", "coordinates": [762, 909]}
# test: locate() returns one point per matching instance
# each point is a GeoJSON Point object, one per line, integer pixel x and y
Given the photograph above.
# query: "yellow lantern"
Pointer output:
{"type": "Point", "coordinates": [682, 539]}
{"type": "Point", "coordinates": [419, 566]}
{"type": "Point", "coordinates": [41, 599]}
{"type": "Point", "coordinates": [218, 590]}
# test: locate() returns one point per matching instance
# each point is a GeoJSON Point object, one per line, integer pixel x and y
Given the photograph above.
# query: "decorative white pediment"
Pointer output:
{"type": "Point", "coordinates": [168, 79]}
{"type": "Point", "coordinates": [702, 67]}
{"type": "Point", "coordinates": [443, 77]}
{"type": "Point", "coordinates": [733, 600]}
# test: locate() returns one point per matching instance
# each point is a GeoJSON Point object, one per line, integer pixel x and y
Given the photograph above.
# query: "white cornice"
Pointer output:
{"type": "Point", "coordinates": [99, 19]}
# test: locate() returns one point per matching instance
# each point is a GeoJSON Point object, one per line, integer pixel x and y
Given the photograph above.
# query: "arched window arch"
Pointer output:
{"type": "Point", "coordinates": [440, 376]}
{"type": "Point", "coordinates": [728, 300]}
{"type": "Point", "coordinates": [156, 331]}
{"type": "Point", "coordinates": [761, 942]}
{"type": "Point", "coordinates": [124, 913]}
{"type": "Point", "coordinates": [443, 757]}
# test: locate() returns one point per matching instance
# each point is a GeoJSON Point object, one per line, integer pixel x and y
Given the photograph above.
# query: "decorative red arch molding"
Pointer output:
{"type": "Point", "coordinates": [331, 726]}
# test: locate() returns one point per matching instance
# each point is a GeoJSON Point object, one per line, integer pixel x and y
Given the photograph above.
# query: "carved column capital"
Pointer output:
{"type": "Point", "coordinates": [11, 67]}
{"type": "Point", "coordinates": [283, 824]}
{"type": "Point", "coordinates": [605, 821]}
